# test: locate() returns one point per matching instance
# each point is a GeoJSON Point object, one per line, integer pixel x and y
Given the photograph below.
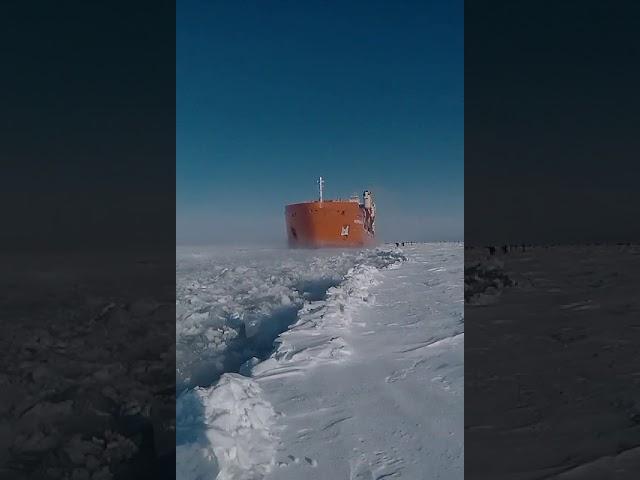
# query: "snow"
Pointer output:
{"type": "Point", "coordinates": [226, 428]}
{"type": "Point", "coordinates": [565, 405]}
{"type": "Point", "coordinates": [364, 379]}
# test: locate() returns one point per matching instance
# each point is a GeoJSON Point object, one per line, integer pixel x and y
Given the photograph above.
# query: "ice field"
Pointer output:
{"type": "Point", "coordinates": [320, 364]}
{"type": "Point", "coordinates": [552, 369]}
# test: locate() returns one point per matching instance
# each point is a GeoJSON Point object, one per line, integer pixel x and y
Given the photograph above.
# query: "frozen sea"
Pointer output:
{"type": "Point", "coordinates": [320, 364]}
{"type": "Point", "coordinates": [553, 368]}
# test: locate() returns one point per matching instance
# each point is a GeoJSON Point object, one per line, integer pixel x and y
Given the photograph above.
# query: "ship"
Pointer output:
{"type": "Point", "coordinates": [331, 223]}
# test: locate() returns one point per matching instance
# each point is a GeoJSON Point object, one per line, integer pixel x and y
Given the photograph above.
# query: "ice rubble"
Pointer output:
{"type": "Point", "coordinates": [226, 428]}
{"type": "Point", "coordinates": [78, 398]}
{"type": "Point", "coordinates": [232, 303]}
{"type": "Point", "coordinates": [484, 280]}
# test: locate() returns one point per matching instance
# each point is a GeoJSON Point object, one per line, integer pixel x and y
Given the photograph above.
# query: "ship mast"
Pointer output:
{"type": "Point", "coordinates": [321, 183]}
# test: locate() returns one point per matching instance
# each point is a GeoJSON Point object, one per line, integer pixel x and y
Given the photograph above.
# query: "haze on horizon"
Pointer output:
{"type": "Point", "coordinates": [270, 97]}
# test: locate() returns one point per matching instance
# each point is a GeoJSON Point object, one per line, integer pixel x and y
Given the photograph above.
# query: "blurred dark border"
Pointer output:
{"type": "Point", "coordinates": [87, 340]}
{"type": "Point", "coordinates": [551, 239]}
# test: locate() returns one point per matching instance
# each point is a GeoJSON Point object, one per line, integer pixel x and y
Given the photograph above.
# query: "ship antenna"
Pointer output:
{"type": "Point", "coordinates": [321, 183]}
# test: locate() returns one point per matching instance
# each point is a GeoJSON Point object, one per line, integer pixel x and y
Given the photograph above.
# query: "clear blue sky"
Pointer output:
{"type": "Point", "coordinates": [270, 95]}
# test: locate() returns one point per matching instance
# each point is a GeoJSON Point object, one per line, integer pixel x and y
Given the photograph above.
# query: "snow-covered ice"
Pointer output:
{"type": "Point", "coordinates": [553, 369]}
{"type": "Point", "coordinates": [352, 363]}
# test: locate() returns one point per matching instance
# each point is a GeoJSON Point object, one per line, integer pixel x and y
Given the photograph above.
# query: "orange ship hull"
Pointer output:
{"type": "Point", "coordinates": [331, 223]}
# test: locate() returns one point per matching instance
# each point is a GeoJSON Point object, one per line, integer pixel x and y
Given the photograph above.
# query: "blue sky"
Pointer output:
{"type": "Point", "coordinates": [270, 95]}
